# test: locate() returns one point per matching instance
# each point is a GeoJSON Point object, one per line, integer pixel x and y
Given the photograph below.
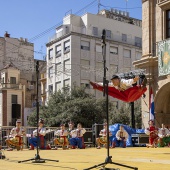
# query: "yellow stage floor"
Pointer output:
{"type": "Point", "coordinates": [141, 157]}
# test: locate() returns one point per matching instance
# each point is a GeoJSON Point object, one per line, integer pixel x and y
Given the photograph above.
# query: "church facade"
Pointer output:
{"type": "Point", "coordinates": [156, 59]}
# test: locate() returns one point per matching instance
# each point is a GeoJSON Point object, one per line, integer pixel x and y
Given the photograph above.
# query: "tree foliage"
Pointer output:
{"type": "Point", "coordinates": [76, 105]}
{"type": "Point", "coordinates": [82, 107]}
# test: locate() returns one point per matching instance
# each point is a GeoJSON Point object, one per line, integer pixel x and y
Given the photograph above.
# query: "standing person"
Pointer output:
{"type": "Point", "coordinates": [121, 138]}
{"type": "Point", "coordinates": [152, 131]}
{"type": "Point", "coordinates": [77, 137]}
{"type": "Point", "coordinates": [164, 136]}
{"type": "Point", "coordinates": [102, 140]}
{"type": "Point", "coordinates": [35, 141]}
{"type": "Point", "coordinates": [16, 137]}
{"type": "Point", "coordinates": [61, 139]}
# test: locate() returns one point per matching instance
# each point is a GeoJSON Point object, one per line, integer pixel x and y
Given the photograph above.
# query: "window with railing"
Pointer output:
{"type": "Point", "coordinates": [66, 46]}
{"type": "Point", "coordinates": [50, 53]}
{"type": "Point", "coordinates": [58, 50]}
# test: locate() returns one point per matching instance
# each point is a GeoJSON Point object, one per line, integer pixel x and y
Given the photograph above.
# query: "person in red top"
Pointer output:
{"type": "Point", "coordinates": [152, 131]}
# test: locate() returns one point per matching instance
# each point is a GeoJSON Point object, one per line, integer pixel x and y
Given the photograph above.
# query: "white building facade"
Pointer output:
{"type": "Point", "coordinates": [75, 51]}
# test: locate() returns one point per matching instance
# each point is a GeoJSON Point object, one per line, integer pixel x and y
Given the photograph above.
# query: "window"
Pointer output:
{"type": "Point", "coordinates": [50, 54]}
{"type": "Point", "coordinates": [66, 85]}
{"type": "Point", "coordinates": [127, 53]}
{"type": "Point", "coordinates": [113, 68]}
{"type": "Point", "coordinates": [114, 50]}
{"type": "Point", "coordinates": [50, 89]}
{"type": "Point", "coordinates": [14, 99]}
{"type": "Point", "coordinates": [108, 34]}
{"type": "Point", "coordinates": [58, 86]}
{"type": "Point", "coordinates": [95, 31]}
{"type": "Point", "coordinates": [50, 71]}
{"type": "Point", "coordinates": [98, 48]}
{"type": "Point", "coordinates": [124, 37]}
{"type": "Point", "coordinates": [67, 46]}
{"type": "Point", "coordinates": [67, 65]}
{"type": "Point", "coordinates": [85, 63]}
{"type": "Point", "coordinates": [85, 45]}
{"type": "Point", "coordinates": [58, 69]}
{"type": "Point", "coordinates": [168, 24]}
{"type": "Point", "coordinates": [58, 50]}
{"type": "Point", "coordinates": [138, 55]}
{"type": "Point", "coordinates": [12, 80]}
{"type": "Point", "coordinates": [138, 41]}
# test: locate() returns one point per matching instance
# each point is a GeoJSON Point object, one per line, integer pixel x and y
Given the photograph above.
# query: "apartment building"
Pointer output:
{"type": "Point", "coordinates": [156, 58]}
{"type": "Point", "coordinates": [74, 53]}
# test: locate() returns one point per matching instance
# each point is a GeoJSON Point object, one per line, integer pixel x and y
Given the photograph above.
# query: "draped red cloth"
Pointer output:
{"type": "Point", "coordinates": [129, 95]}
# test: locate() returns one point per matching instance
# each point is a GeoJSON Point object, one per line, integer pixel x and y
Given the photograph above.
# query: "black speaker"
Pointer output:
{"type": "Point", "coordinates": [96, 131]}
{"type": "Point", "coordinates": [88, 137]}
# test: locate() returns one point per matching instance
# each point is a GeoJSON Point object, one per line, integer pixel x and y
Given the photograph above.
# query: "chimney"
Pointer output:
{"type": "Point", "coordinates": [6, 34]}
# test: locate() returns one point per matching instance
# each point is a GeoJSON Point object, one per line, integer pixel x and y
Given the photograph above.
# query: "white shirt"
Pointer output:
{"type": "Point", "coordinates": [42, 131]}
{"type": "Point", "coordinates": [61, 133]}
{"type": "Point", "coordinates": [121, 134]}
{"type": "Point", "coordinates": [78, 132]}
{"type": "Point", "coordinates": [163, 132]}
{"type": "Point", "coordinates": [124, 84]}
{"type": "Point", "coordinates": [17, 131]}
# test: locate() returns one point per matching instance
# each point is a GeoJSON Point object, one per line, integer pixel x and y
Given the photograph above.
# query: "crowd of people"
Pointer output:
{"type": "Point", "coordinates": [73, 137]}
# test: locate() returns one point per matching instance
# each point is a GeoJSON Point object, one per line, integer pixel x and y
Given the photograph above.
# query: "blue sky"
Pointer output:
{"type": "Point", "coordinates": [29, 18]}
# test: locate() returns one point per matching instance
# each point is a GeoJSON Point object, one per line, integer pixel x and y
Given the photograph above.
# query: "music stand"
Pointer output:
{"type": "Point", "coordinates": [37, 158]}
{"type": "Point", "coordinates": [108, 159]}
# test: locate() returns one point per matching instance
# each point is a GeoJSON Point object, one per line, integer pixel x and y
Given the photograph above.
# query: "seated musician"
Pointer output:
{"type": "Point", "coordinates": [152, 131]}
{"type": "Point", "coordinates": [164, 137]}
{"type": "Point", "coordinates": [36, 141]}
{"type": "Point", "coordinates": [16, 137]}
{"type": "Point", "coordinates": [121, 138]}
{"type": "Point", "coordinates": [61, 139]}
{"type": "Point", "coordinates": [70, 128]}
{"type": "Point", "coordinates": [77, 139]}
{"type": "Point", "coordinates": [102, 140]}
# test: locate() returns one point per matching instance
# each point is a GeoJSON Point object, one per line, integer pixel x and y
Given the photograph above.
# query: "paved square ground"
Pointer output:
{"type": "Point", "coordinates": [141, 157]}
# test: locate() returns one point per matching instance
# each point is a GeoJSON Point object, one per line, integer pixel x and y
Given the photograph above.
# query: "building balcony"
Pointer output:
{"type": "Point", "coordinates": [43, 77]}
{"type": "Point", "coordinates": [164, 4]}
{"type": "Point", "coordinates": [11, 86]}
{"type": "Point", "coordinates": [89, 32]}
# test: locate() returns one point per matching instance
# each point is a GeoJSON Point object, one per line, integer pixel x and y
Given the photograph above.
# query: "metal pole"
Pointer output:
{"type": "Point", "coordinates": [132, 115]}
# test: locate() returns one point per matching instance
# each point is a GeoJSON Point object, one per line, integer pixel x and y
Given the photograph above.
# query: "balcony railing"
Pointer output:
{"type": "Point", "coordinates": [113, 37]}
{"type": "Point", "coordinates": [11, 86]}
{"type": "Point", "coordinates": [164, 4]}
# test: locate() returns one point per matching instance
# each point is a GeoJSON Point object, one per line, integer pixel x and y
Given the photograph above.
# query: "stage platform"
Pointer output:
{"type": "Point", "coordinates": [79, 159]}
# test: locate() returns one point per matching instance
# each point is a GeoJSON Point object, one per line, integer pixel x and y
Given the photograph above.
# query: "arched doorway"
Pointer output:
{"type": "Point", "coordinates": [162, 105]}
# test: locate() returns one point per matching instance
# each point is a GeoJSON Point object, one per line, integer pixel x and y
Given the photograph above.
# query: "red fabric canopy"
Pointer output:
{"type": "Point", "coordinates": [129, 95]}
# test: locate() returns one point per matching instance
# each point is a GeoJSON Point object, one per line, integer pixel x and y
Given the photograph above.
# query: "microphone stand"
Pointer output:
{"type": "Point", "coordinates": [108, 159]}
{"type": "Point", "coordinates": [37, 158]}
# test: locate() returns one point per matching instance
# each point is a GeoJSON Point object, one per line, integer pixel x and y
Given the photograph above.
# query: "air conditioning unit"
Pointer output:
{"type": "Point", "coordinates": [31, 87]}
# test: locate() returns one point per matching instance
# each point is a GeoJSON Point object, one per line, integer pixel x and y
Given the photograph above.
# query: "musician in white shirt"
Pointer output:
{"type": "Point", "coordinates": [36, 141]}
{"type": "Point", "coordinates": [77, 137]}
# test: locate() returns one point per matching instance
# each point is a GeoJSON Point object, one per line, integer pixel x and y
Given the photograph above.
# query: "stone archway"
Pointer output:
{"type": "Point", "coordinates": [162, 105]}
